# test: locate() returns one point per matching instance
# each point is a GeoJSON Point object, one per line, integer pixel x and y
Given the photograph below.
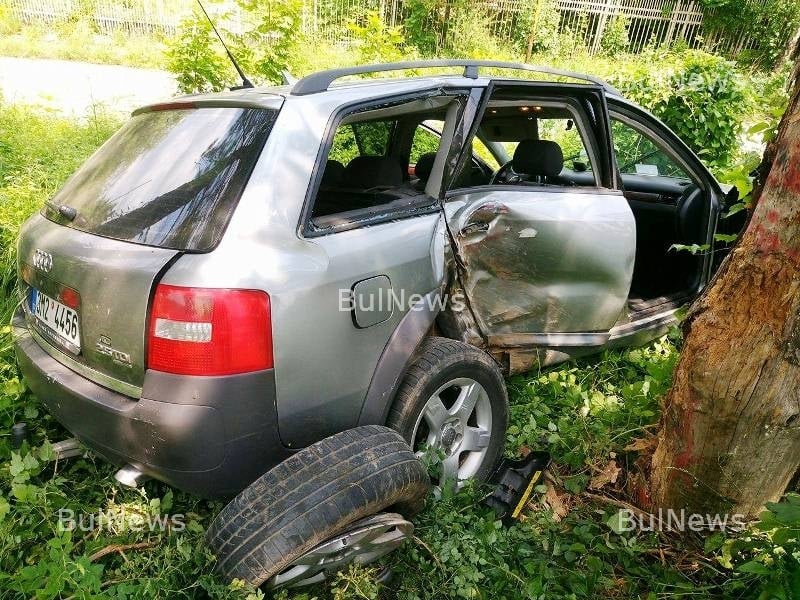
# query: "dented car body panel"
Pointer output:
{"type": "Point", "coordinates": [539, 262]}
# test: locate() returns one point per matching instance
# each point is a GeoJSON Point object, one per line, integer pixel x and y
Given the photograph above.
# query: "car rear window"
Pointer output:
{"type": "Point", "coordinates": [168, 178]}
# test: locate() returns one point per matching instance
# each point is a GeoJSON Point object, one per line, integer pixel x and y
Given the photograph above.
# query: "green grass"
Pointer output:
{"type": "Point", "coordinates": [584, 413]}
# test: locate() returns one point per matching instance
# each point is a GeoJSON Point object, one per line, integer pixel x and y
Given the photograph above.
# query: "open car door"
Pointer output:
{"type": "Point", "coordinates": [546, 249]}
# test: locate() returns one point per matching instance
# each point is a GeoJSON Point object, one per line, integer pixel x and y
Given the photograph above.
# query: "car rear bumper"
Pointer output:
{"type": "Point", "coordinates": [210, 436]}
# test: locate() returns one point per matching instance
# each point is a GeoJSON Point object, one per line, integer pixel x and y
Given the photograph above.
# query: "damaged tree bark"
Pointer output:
{"type": "Point", "coordinates": [729, 439]}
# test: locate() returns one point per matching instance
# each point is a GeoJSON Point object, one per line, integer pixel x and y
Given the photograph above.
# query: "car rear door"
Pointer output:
{"type": "Point", "coordinates": [550, 263]}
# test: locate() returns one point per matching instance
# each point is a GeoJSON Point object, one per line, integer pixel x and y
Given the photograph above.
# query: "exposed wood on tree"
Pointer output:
{"type": "Point", "coordinates": [729, 439]}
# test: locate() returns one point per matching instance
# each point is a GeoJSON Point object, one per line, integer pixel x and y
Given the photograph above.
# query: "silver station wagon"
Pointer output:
{"type": "Point", "coordinates": [235, 276]}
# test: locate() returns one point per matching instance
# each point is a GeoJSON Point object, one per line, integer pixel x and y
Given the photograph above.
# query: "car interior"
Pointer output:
{"type": "Point", "coordinates": [671, 209]}
{"type": "Point", "coordinates": [380, 163]}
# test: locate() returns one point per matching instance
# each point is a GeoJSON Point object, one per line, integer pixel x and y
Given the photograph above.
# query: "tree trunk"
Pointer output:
{"type": "Point", "coordinates": [729, 439]}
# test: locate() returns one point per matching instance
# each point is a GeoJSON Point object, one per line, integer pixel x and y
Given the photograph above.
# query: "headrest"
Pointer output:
{"type": "Point", "coordinates": [332, 175]}
{"type": "Point", "coordinates": [538, 158]}
{"type": "Point", "coordinates": [424, 166]}
{"type": "Point", "coordinates": [364, 172]}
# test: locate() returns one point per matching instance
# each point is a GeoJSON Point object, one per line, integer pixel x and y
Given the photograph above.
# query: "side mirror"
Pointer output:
{"type": "Point", "coordinates": [579, 166]}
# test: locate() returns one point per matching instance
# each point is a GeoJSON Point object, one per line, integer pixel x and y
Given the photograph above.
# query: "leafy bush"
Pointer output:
{"type": "Point", "coordinates": [420, 25]}
{"type": "Point", "coordinates": [766, 556]}
{"type": "Point", "coordinates": [376, 41]}
{"type": "Point", "coordinates": [615, 35]}
{"type": "Point", "coordinates": [698, 95]}
{"type": "Point", "coordinates": [536, 28]}
{"type": "Point", "coordinates": [195, 59]}
{"type": "Point", "coordinates": [770, 23]}
{"type": "Point", "coordinates": [264, 49]}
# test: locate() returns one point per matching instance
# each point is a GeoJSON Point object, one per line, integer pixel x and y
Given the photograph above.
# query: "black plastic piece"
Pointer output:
{"type": "Point", "coordinates": [514, 482]}
{"type": "Point", "coordinates": [19, 433]}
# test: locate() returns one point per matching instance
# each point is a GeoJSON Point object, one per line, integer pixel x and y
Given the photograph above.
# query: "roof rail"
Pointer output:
{"type": "Point", "coordinates": [321, 81]}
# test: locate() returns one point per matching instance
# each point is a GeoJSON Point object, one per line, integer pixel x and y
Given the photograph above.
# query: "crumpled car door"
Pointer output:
{"type": "Point", "coordinates": [543, 262]}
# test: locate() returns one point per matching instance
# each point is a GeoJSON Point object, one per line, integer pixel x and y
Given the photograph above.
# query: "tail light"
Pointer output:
{"type": "Point", "coordinates": [206, 331]}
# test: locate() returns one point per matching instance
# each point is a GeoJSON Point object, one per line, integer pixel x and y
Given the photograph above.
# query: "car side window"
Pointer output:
{"type": "Point", "coordinates": [366, 175]}
{"type": "Point", "coordinates": [638, 153]}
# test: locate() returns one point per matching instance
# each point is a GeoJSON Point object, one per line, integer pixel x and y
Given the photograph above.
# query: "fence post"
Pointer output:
{"type": "Point", "coordinates": [533, 30]}
{"type": "Point", "coordinates": [602, 19]}
{"type": "Point", "coordinates": [673, 22]}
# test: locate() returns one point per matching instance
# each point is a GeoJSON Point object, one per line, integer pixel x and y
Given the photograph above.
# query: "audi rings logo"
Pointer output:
{"type": "Point", "coordinates": [42, 260]}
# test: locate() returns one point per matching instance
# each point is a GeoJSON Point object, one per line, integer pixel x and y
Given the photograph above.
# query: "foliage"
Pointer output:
{"type": "Point", "coordinates": [772, 23]}
{"type": "Point", "coordinates": [376, 41]}
{"type": "Point", "coordinates": [698, 95]}
{"type": "Point", "coordinates": [766, 556]}
{"type": "Point", "coordinates": [78, 39]}
{"type": "Point", "coordinates": [468, 33]}
{"type": "Point", "coordinates": [267, 45]}
{"type": "Point", "coordinates": [537, 27]}
{"type": "Point", "coordinates": [195, 60]}
{"type": "Point", "coordinates": [264, 49]}
{"type": "Point", "coordinates": [615, 35]}
{"type": "Point", "coordinates": [420, 25]}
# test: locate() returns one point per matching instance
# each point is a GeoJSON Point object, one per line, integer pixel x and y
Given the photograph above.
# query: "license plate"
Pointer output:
{"type": "Point", "coordinates": [57, 319]}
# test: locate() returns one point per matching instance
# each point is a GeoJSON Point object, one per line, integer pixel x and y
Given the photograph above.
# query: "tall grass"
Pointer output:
{"type": "Point", "coordinates": [39, 149]}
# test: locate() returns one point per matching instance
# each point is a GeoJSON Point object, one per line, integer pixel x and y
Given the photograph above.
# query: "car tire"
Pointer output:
{"type": "Point", "coordinates": [437, 363]}
{"type": "Point", "coordinates": [313, 495]}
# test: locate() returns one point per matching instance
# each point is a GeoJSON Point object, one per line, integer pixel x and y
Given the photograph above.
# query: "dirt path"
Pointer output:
{"type": "Point", "coordinates": [73, 87]}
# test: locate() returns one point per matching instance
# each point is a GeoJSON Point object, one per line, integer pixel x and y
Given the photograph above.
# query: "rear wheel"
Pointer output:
{"type": "Point", "coordinates": [453, 403]}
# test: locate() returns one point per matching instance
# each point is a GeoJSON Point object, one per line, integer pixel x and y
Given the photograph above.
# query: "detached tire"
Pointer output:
{"type": "Point", "coordinates": [312, 496]}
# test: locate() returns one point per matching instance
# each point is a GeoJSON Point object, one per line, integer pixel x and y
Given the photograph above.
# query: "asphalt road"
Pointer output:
{"type": "Point", "coordinates": [75, 87]}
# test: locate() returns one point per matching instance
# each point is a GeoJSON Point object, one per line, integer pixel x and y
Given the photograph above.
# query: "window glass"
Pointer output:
{"type": "Point", "coordinates": [168, 178]}
{"type": "Point", "coordinates": [638, 154]}
{"type": "Point", "coordinates": [480, 150]}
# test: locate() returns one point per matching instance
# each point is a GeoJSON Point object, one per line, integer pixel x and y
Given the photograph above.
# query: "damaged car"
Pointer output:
{"type": "Point", "coordinates": [233, 277]}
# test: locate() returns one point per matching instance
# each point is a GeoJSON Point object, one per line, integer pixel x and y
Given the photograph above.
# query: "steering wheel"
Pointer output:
{"type": "Point", "coordinates": [505, 174]}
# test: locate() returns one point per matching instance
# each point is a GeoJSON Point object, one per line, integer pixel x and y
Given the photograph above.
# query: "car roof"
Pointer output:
{"type": "Point", "coordinates": [327, 83]}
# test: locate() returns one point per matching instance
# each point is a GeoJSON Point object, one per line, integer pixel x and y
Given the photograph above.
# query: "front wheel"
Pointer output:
{"type": "Point", "coordinates": [453, 404]}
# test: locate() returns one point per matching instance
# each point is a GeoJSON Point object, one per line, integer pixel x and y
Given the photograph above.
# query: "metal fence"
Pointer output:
{"type": "Point", "coordinates": [648, 21]}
